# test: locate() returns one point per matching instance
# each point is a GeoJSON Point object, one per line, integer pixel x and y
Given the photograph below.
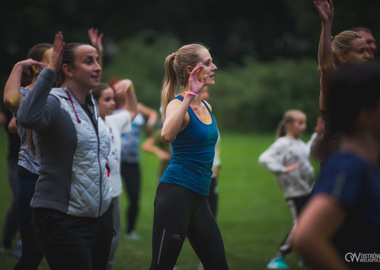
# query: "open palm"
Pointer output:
{"type": "Point", "coordinates": [194, 83]}
{"type": "Point", "coordinates": [325, 9]}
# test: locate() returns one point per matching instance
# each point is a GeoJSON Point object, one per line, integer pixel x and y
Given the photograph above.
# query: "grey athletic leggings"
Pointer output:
{"type": "Point", "coordinates": [179, 213]}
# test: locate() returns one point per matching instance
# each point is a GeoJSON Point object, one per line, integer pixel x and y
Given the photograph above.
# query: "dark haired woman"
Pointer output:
{"type": "Point", "coordinates": [71, 203]}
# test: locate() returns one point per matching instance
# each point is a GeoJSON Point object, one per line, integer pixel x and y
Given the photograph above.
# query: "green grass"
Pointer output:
{"type": "Point", "coordinates": [253, 216]}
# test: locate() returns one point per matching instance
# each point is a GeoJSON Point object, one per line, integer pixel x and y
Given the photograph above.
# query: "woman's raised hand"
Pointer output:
{"type": "Point", "coordinates": [30, 65]}
{"type": "Point", "coordinates": [325, 9]}
{"type": "Point", "coordinates": [96, 39]}
{"type": "Point", "coordinates": [194, 83]}
{"type": "Point", "coordinates": [57, 55]}
{"type": "Point", "coordinates": [122, 87]}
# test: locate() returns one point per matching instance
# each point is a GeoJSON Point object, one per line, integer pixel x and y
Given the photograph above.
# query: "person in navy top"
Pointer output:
{"type": "Point", "coordinates": [340, 227]}
{"type": "Point", "coordinates": [181, 206]}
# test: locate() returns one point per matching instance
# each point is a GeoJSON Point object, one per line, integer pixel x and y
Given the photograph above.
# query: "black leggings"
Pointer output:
{"type": "Point", "coordinates": [132, 182]}
{"type": "Point", "coordinates": [295, 205]}
{"type": "Point", "coordinates": [179, 213]}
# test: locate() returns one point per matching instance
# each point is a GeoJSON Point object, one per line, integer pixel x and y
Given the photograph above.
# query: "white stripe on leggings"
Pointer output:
{"type": "Point", "coordinates": [162, 242]}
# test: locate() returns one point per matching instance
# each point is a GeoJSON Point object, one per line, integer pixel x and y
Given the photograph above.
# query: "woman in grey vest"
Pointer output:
{"type": "Point", "coordinates": [71, 203]}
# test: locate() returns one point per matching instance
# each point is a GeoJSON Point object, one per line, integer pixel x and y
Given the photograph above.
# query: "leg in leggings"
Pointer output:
{"type": "Point", "coordinates": [131, 174]}
{"type": "Point", "coordinates": [205, 238]}
{"type": "Point", "coordinates": [213, 196]}
{"type": "Point", "coordinates": [295, 205]}
{"type": "Point", "coordinates": [31, 251]}
{"type": "Point", "coordinates": [213, 202]}
{"type": "Point", "coordinates": [178, 212]}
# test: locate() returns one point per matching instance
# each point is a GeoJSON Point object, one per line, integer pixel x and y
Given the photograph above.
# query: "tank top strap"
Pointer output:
{"type": "Point", "coordinates": [205, 103]}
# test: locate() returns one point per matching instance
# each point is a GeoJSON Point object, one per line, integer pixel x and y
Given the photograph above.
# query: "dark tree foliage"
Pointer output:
{"type": "Point", "coordinates": [265, 30]}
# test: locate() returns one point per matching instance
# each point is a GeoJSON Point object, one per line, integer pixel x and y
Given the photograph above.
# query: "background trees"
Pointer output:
{"type": "Point", "coordinates": [265, 50]}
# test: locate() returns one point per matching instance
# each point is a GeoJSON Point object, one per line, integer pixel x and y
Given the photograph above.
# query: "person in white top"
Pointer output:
{"type": "Point", "coordinates": [288, 159]}
{"type": "Point", "coordinates": [117, 122]}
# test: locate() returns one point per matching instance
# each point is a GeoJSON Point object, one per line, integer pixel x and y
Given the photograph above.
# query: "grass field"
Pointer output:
{"type": "Point", "coordinates": [253, 216]}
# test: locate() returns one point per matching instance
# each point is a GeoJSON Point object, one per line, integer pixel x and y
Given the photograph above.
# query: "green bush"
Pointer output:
{"type": "Point", "coordinates": [255, 96]}
{"type": "Point", "coordinates": [248, 97]}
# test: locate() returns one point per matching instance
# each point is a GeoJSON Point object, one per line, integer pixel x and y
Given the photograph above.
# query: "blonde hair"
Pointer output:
{"type": "Point", "coordinates": [175, 71]}
{"type": "Point", "coordinates": [288, 117]}
{"type": "Point", "coordinates": [342, 42]}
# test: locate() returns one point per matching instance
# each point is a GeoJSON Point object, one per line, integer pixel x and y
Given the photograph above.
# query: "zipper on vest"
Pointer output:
{"type": "Point", "coordinates": [101, 175]}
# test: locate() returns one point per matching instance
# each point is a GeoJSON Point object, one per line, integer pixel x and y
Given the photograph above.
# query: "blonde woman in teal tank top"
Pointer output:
{"type": "Point", "coordinates": [181, 208]}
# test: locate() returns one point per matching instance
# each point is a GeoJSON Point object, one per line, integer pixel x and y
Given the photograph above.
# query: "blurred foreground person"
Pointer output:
{"type": "Point", "coordinates": [340, 227]}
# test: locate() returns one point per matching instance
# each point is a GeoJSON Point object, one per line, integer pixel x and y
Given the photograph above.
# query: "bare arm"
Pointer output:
{"type": "Point", "coordinates": [149, 114]}
{"type": "Point", "coordinates": [126, 91]}
{"type": "Point", "coordinates": [325, 56]}
{"type": "Point", "coordinates": [12, 97]}
{"type": "Point", "coordinates": [150, 146]}
{"type": "Point", "coordinates": [319, 221]}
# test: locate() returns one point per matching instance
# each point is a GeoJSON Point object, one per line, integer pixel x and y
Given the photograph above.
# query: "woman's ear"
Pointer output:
{"type": "Point", "coordinates": [341, 58]}
{"type": "Point", "coordinates": [189, 69]}
{"type": "Point", "coordinates": [67, 70]}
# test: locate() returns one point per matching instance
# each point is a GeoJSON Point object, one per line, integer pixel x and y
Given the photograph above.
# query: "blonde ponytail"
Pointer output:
{"type": "Point", "coordinates": [169, 85]}
{"type": "Point", "coordinates": [175, 71]}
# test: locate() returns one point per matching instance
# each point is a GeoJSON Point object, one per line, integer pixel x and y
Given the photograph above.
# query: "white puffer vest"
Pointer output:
{"type": "Point", "coordinates": [90, 191]}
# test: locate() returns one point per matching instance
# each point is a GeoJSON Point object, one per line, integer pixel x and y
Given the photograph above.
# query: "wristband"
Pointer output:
{"type": "Point", "coordinates": [191, 93]}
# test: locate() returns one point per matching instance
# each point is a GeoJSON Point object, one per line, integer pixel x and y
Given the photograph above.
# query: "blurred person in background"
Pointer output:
{"type": "Point", "coordinates": [118, 121]}
{"type": "Point", "coordinates": [28, 164]}
{"type": "Point", "coordinates": [10, 228]}
{"type": "Point", "coordinates": [369, 38]}
{"type": "Point", "coordinates": [288, 159]}
{"type": "Point", "coordinates": [145, 120]}
{"type": "Point", "coordinates": [346, 47]}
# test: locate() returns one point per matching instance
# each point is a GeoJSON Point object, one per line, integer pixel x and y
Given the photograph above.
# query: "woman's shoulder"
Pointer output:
{"type": "Point", "coordinates": [348, 164]}
{"type": "Point", "coordinates": [175, 101]}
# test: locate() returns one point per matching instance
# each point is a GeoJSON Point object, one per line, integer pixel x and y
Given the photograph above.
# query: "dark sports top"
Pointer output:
{"type": "Point", "coordinates": [356, 185]}
{"type": "Point", "coordinates": [193, 154]}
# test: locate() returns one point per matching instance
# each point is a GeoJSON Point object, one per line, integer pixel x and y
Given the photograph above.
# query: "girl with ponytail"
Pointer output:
{"type": "Point", "coordinates": [288, 159]}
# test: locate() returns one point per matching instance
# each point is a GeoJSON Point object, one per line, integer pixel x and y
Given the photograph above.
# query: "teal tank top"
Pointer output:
{"type": "Point", "coordinates": [193, 154]}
